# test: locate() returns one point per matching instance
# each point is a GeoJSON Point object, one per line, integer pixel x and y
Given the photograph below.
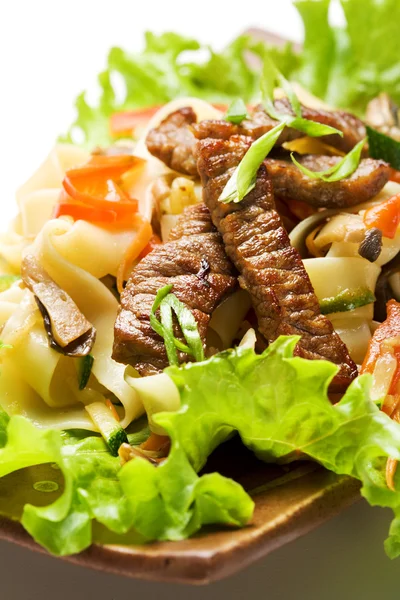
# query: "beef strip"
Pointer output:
{"type": "Point", "coordinates": [270, 269]}
{"type": "Point", "coordinates": [173, 140]}
{"type": "Point", "coordinates": [352, 127]}
{"type": "Point", "coordinates": [193, 243]}
{"type": "Point", "coordinates": [260, 122]}
{"type": "Point", "coordinates": [289, 182]}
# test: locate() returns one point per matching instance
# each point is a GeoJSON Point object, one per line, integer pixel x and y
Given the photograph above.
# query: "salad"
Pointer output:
{"type": "Point", "coordinates": [216, 255]}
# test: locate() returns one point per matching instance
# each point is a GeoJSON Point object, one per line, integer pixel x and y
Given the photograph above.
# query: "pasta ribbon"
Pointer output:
{"type": "Point", "coordinates": [36, 380]}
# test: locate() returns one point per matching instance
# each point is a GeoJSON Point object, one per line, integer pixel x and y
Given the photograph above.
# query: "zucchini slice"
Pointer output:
{"type": "Point", "coordinates": [347, 300]}
{"type": "Point", "coordinates": [108, 426]}
{"type": "Point", "coordinates": [84, 369]}
{"type": "Point", "coordinates": [384, 147]}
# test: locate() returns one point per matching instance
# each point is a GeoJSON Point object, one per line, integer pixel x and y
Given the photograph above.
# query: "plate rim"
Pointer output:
{"type": "Point", "coordinates": [175, 562]}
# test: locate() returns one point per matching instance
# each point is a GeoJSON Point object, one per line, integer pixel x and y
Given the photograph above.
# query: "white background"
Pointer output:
{"type": "Point", "coordinates": [49, 52]}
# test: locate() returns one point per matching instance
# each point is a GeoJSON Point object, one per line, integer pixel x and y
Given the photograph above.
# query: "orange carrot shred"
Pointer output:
{"type": "Point", "coordinates": [111, 406]}
{"type": "Point", "coordinates": [391, 464]}
{"type": "Point", "coordinates": [155, 442]}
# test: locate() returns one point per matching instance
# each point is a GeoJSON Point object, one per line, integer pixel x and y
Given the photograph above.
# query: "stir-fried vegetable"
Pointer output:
{"type": "Point", "coordinates": [236, 112]}
{"type": "Point", "coordinates": [108, 425]}
{"type": "Point", "coordinates": [342, 169]}
{"type": "Point", "coordinates": [384, 216]}
{"type": "Point", "coordinates": [68, 330]}
{"type": "Point", "coordinates": [243, 179]}
{"type": "Point", "coordinates": [382, 349]}
{"type": "Point", "coordinates": [383, 362]}
{"type": "Point", "coordinates": [166, 302]}
{"type": "Point", "coordinates": [127, 123]}
{"type": "Point", "coordinates": [270, 79]}
{"type": "Point", "coordinates": [384, 147]}
{"type": "Point", "coordinates": [93, 192]}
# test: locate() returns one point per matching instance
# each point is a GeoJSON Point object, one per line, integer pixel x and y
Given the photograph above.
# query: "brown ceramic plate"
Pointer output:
{"type": "Point", "coordinates": [290, 501]}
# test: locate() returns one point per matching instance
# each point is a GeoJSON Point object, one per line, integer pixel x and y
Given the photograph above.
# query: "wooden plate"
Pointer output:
{"type": "Point", "coordinates": [290, 501]}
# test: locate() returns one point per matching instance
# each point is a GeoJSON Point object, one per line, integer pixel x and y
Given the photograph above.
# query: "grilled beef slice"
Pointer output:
{"type": "Point", "coordinates": [289, 182]}
{"type": "Point", "coordinates": [173, 140]}
{"type": "Point", "coordinates": [173, 143]}
{"type": "Point", "coordinates": [270, 269]}
{"type": "Point", "coordinates": [193, 243]}
{"type": "Point", "coordinates": [260, 122]}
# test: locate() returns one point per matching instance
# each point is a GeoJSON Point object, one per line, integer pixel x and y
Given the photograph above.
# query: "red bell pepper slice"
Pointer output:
{"type": "Point", "coordinates": [95, 184]}
{"type": "Point", "coordinates": [78, 211]}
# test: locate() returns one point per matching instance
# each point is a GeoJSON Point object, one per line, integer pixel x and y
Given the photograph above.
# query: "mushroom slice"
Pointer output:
{"type": "Point", "coordinates": [68, 330]}
{"type": "Point", "coordinates": [371, 246]}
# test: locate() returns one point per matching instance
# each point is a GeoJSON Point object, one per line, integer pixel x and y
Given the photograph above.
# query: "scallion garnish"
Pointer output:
{"type": "Point", "coordinates": [168, 303]}
{"type": "Point", "coordinates": [4, 346]}
{"type": "Point", "coordinates": [342, 169]}
{"type": "Point", "coordinates": [243, 179]}
{"type": "Point", "coordinates": [236, 112]}
{"type": "Point", "coordinates": [244, 176]}
{"type": "Point", "coordinates": [84, 370]}
{"type": "Point", "coordinates": [270, 79]}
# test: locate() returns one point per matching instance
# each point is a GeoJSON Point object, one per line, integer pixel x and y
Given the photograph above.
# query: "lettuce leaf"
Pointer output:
{"type": "Point", "coordinates": [277, 404]}
{"type": "Point", "coordinates": [168, 503]}
{"type": "Point", "coordinates": [348, 66]}
{"type": "Point", "coordinates": [169, 66]}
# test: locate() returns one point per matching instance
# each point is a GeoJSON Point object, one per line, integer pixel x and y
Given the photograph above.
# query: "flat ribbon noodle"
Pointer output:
{"type": "Point", "coordinates": [98, 305]}
{"type": "Point", "coordinates": [36, 381]}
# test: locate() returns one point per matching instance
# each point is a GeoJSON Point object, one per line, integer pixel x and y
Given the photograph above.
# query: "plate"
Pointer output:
{"type": "Point", "coordinates": [289, 502]}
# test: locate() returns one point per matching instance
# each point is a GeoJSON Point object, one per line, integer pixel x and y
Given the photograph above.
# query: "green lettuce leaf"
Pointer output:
{"type": "Point", "coordinates": [169, 66]}
{"type": "Point", "coordinates": [171, 502]}
{"type": "Point", "coordinates": [348, 66]}
{"type": "Point", "coordinates": [278, 405]}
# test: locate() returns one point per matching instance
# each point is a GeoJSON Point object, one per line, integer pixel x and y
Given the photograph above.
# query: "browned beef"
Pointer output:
{"type": "Point", "coordinates": [172, 141]}
{"type": "Point", "coordinates": [289, 182]}
{"type": "Point", "coordinates": [270, 269]}
{"type": "Point", "coordinates": [195, 247]}
{"type": "Point", "coordinates": [352, 127]}
{"type": "Point", "coordinates": [260, 122]}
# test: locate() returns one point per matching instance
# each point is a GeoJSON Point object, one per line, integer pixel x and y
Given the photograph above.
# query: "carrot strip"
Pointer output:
{"type": "Point", "coordinates": [395, 176]}
{"type": "Point", "coordinates": [112, 408]}
{"type": "Point", "coordinates": [391, 465]}
{"type": "Point", "coordinates": [384, 216]}
{"type": "Point", "coordinates": [155, 442]}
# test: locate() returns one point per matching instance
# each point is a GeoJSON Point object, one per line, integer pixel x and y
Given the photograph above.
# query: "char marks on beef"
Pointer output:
{"type": "Point", "coordinates": [289, 182]}
{"type": "Point", "coordinates": [178, 262]}
{"type": "Point", "coordinates": [270, 269]}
